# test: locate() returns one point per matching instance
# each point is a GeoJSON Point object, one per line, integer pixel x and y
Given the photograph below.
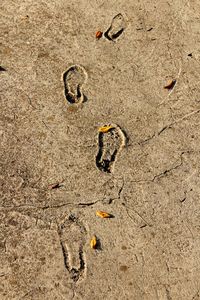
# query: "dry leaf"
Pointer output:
{"type": "Point", "coordinates": [103, 214]}
{"type": "Point", "coordinates": [99, 34]}
{"type": "Point", "coordinates": [105, 128]}
{"type": "Point", "coordinates": [55, 185]}
{"type": "Point", "coordinates": [170, 85]}
{"type": "Point", "coordinates": [93, 242]}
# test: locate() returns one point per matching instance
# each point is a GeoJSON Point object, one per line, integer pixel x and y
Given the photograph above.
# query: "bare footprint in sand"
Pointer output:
{"type": "Point", "coordinates": [72, 235]}
{"type": "Point", "coordinates": [116, 28]}
{"type": "Point", "coordinates": [74, 79]}
{"type": "Point", "coordinates": [111, 140]}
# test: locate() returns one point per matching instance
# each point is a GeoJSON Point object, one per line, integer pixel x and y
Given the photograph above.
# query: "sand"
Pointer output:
{"type": "Point", "coordinates": [61, 84]}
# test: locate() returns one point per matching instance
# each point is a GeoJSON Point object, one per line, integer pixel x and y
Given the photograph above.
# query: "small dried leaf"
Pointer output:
{"type": "Point", "coordinates": [99, 34]}
{"type": "Point", "coordinates": [103, 214]}
{"type": "Point", "coordinates": [170, 85]}
{"type": "Point", "coordinates": [55, 185]}
{"type": "Point", "coordinates": [105, 128]}
{"type": "Point", "coordinates": [93, 242]}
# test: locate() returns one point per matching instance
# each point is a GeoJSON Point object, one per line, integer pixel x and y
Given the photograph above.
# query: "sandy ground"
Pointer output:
{"type": "Point", "coordinates": [60, 84]}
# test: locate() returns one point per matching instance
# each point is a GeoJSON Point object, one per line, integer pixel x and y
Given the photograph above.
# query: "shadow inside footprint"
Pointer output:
{"type": "Point", "coordinates": [2, 69]}
{"type": "Point", "coordinates": [110, 143]}
{"type": "Point", "coordinates": [74, 79]}
{"type": "Point", "coordinates": [116, 28]}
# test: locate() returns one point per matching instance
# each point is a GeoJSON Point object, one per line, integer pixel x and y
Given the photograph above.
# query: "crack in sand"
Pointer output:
{"type": "Point", "coordinates": [164, 173]}
{"type": "Point", "coordinates": [157, 134]}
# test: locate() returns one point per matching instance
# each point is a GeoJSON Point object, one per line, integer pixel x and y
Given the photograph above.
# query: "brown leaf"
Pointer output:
{"type": "Point", "coordinates": [55, 185]}
{"type": "Point", "coordinates": [99, 34]}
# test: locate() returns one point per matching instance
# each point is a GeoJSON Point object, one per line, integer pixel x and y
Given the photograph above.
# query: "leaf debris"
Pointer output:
{"type": "Point", "coordinates": [98, 34]}
{"type": "Point", "coordinates": [93, 242]}
{"type": "Point", "coordinates": [103, 214]}
{"type": "Point", "coordinates": [55, 185]}
{"type": "Point", "coordinates": [105, 128]}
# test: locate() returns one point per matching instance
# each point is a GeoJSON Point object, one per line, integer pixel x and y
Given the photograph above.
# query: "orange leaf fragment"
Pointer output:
{"type": "Point", "coordinates": [93, 242]}
{"type": "Point", "coordinates": [99, 34]}
{"type": "Point", "coordinates": [103, 214]}
{"type": "Point", "coordinates": [55, 185]}
{"type": "Point", "coordinates": [105, 128]}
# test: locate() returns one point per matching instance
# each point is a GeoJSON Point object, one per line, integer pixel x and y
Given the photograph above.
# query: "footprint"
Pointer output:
{"type": "Point", "coordinates": [74, 79]}
{"type": "Point", "coordinates": [111, 140]}
{"type": "Point", "coordinates": [71, 233]}
{"type": "Point", "coordinates": [116, 28]}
